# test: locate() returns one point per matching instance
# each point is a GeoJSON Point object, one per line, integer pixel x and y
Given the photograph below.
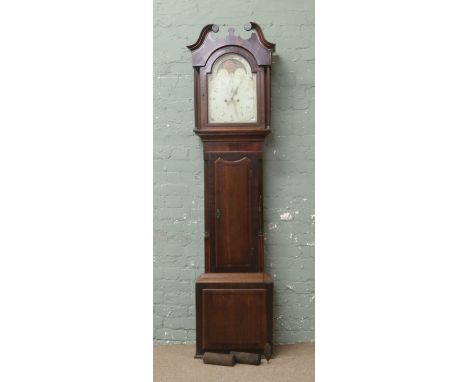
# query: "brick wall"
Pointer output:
{"type": "Point", "coordinates": [288, 163]}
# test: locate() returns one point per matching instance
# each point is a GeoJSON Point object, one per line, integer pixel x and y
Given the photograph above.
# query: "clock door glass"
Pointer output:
{"type": "Point", "coordinates": [232, 91]}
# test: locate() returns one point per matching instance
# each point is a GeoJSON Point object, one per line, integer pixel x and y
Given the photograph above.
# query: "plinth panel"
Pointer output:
{"type": "Point", "coordinates": [234, 317]}
{"type": "Point", "coordinates": [234, 312]}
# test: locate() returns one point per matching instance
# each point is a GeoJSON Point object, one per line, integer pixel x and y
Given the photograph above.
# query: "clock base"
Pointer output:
{"type": "Point", "coordinates": [234, 312]}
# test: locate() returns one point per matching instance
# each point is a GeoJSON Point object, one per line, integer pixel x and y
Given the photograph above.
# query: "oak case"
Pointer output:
{"type": "Point", "coordinates": [234, 295]}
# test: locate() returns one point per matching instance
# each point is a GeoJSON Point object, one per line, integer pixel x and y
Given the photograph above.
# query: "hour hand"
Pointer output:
{"type": "Point", "coordinates": [230, 99]}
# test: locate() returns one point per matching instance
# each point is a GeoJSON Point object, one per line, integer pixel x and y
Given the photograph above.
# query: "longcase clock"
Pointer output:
{"type": "Point", "coordinates": [234, 297]}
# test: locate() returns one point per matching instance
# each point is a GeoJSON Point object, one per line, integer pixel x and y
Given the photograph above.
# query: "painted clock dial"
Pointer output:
{"type": "Point", "coordinates": [232, 91]}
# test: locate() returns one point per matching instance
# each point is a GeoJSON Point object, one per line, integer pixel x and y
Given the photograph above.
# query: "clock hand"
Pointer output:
{"type": "Point", "coordinates": [233, 94]}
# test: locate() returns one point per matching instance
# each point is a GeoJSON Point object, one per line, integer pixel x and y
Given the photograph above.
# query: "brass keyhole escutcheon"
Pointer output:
{"type": "Point", "coordinates": [218, 213]}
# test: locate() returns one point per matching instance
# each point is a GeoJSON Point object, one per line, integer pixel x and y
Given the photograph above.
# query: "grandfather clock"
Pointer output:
{"type": "Point", "coordinates": [234, 298]}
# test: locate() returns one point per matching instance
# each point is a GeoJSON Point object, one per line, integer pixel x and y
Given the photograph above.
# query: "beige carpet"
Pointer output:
{"type": "Point", "coordinates": [292, 363]}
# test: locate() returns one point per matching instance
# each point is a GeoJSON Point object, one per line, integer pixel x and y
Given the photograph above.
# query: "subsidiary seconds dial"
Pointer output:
{"type": "Point", "coordinates": [232, 91]}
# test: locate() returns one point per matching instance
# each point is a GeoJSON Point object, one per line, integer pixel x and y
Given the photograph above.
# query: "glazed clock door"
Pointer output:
{"type": "Point", "coordinates": [234, 194]}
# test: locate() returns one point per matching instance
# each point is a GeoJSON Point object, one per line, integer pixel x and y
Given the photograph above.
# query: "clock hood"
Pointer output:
{"type": "Point", "coordinates": [206, 44]}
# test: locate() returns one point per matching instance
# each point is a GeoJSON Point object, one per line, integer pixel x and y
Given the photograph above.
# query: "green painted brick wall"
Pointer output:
{"type": "Point", "coordinates": [288, 163]}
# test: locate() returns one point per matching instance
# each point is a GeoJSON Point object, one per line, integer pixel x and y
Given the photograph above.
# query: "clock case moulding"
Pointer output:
{"type": "Point", "coordinates": [234, 297]}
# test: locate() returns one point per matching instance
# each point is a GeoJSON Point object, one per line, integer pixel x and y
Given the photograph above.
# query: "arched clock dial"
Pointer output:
{"type": "Point", "coordinates": [232, 91]}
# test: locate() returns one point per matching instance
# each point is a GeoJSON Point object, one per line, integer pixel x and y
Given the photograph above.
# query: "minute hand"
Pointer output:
{"type": "Point", "coordinates": [233, 94]}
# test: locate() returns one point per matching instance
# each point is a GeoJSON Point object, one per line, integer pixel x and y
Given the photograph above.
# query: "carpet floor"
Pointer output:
{"type": "Point", "coordinates": [292, 363]}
